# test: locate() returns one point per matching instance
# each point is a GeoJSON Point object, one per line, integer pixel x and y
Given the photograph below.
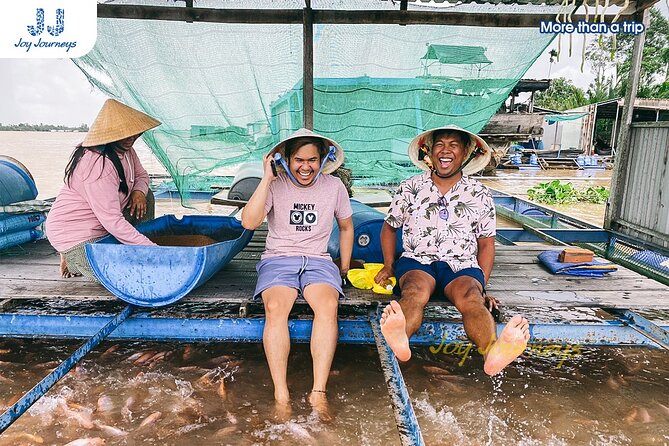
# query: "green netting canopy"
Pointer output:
{"type": "Point", "coordinates": [226, 93]}
{"type": "Point", "coordinates": [551, 119]}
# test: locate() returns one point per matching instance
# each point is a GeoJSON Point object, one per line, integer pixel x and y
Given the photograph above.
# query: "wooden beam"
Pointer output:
{"type": "Point", "coordinates": [621, 166]}
{"type": "Point", "coordinates": [308, 69]}
{"type": "Point", "coordinates": [211, 15]}
{"type": "Point", "coordinates": [334, 17]}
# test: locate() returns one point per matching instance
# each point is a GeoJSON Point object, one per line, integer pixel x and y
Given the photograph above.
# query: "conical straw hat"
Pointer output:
{"type": "Point", "coordinates": [117, 121]}
{"type": "Point", "coordinates": [477, 164]}
{"type": "Point", "coordinates": [330, 166]}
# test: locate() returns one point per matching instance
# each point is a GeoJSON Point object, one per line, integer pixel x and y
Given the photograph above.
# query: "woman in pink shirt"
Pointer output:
{"type": "Point", "coordinates": [103, 178]}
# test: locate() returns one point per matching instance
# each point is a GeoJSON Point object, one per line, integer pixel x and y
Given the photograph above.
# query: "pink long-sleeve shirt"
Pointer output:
{"type": "Point", "coordinates": [91, 205]}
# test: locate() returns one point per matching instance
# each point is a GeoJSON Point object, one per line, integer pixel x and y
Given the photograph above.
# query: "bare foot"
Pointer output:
{"type": "Point", "coordinates": [283, 411]}
{"type": "Point", "coordinates": [509, 346]}
{"type": "Point", "coordinates": [319, 402]}
{"type": "Point", "coordinates": [393, 327]}
{"type": "Point", "coordinates": [64, 272]}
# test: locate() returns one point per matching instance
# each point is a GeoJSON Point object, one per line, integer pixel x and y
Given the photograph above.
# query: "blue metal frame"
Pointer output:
{"type": "Point", "coordinates": [646, 327]}
{"type": "Point", "coordinates": [351, 331]}
{"type": "Point", "coordinates": [405, 417]}
{"type": "Point", "coordinates": [27, 400]}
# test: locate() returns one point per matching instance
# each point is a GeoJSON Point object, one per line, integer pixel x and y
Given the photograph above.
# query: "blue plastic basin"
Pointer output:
{"type": "Point", "coordinates": [15, 183]}
{"type": "Point", "coordinates": [154, 276]}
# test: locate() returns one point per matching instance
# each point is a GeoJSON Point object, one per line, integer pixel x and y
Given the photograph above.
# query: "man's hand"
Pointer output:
{"type": "Point", "coordinates": [137, 204]}
{"type": "Point", "coordinates": [491, 302]}
{"type": "Point", "coordinates": [382, 276]}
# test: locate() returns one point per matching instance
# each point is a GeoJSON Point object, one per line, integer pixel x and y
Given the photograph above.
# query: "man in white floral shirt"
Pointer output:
{"type": "Point", "coordinates": [448, 233]}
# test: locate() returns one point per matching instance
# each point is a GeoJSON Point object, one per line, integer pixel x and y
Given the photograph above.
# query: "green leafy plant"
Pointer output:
{"type": "Point", "coordinates": [555, 192]}
{"type": "Point", "coordinates": [597, 194]}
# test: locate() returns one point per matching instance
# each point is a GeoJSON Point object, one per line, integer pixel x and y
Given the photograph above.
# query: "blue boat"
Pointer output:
{"type": "Point", "coordinates": [154, 276]}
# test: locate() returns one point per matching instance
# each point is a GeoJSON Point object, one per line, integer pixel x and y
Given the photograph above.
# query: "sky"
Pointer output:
{"type": "Point", "coordinates": [55, 91]}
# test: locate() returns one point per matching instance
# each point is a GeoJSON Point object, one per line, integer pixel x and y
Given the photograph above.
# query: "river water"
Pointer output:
{"type": "Point", "coordinates": [217, 393]}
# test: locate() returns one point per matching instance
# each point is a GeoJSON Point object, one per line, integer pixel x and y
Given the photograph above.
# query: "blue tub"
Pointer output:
{"type": "Point", "coordinates": [154, 276]}
{"type": "Point", "coordinates": [16, 184]}
{"type": "Point", "coordinates": [367, 224]}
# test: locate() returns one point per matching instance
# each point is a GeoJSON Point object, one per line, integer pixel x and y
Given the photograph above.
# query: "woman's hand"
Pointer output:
{"type": "Point", "coordinates": [137, 204]}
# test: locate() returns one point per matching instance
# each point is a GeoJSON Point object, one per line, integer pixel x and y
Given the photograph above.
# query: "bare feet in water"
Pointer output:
{"type": "Point", "coordinates": [319, 402]}
{"type": "Point", "coordinates": [283, 411]}
{"type": "Point", "coordinates": [64, 272]}
{"type": "Point", "coordinates": [393, 327]}
{"type": "Point", "coordinates": [510, 344]}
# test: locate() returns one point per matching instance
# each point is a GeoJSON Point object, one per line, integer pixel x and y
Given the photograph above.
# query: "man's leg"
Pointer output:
{"type": "Point", "coordinates": [401, 320]}
{"type": "Point", "coordinates": [466, 294]}
{"type": "Point", "coordinates": [324, 301]}
{"type": "Point", "coordinates": [278, 302]}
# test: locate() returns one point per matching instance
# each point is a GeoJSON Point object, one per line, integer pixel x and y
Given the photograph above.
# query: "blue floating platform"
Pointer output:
{"type": "Point", "coordinates": [154, 276]}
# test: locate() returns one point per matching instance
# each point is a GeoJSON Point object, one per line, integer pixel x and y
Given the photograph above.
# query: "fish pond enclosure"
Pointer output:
{"type": "Point", "coordinates": [229, 80]}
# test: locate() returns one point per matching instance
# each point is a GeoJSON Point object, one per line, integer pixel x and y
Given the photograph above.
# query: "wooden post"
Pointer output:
{"type": "Point", "coordinates": [308, 67]}
{"type": "Point", "coordinates": [620, 170]}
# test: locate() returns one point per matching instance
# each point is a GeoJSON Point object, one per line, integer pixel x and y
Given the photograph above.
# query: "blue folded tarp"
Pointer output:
{"type": "Point", "coordinates": [587, 269]}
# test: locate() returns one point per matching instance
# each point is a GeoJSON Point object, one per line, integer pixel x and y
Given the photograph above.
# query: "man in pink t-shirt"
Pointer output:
{"type": "Point", "coordinates": [301, 203]}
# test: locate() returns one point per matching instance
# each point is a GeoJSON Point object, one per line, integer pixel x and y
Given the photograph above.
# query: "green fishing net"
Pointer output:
{"type": "Point", "coordinates": [226, 93]}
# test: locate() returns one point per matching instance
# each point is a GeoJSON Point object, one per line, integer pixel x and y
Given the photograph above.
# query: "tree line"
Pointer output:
{"type": "Point", "coordinates": [23, 127]}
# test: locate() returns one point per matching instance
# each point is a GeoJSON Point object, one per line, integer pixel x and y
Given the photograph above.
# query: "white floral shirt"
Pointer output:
{"type": "Point", "coordinates": [442, 228]}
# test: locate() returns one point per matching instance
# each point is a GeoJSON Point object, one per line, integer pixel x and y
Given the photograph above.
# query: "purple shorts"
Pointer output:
{"type": "Point", "coordinates": [296, 272]}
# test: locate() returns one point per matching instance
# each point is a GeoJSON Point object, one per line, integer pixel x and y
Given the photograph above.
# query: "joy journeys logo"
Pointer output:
{"type": "Point", "coordinates": [38, 28]}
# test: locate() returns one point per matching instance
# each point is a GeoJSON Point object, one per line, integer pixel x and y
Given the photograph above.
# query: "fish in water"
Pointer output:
{"type": "Point", "coordinates": [84, 418]}
{"type": "Point", "coordinates": [434, 370]}
{"type": "Point", "coordinates": [25, 436]}
{"type": "Point", "coordinates": [145, 357]}
{"type": "Point", "coordinates": [638, 415]}
{"type": "Point", "coordinates": [126, 411]}
{"type": "Point", "coordinates": [226, 431]}
{"type": "Point", "coordinates": [109, 351]}
{"type": "Point", "coordinates": [95, 441]}
{"type": "Point", "coordinates": [105, 404]}
{"type": "Point", "coordinates": [299, 432]}
{"type": "Point", "coordinates": [111, 430]}
{"type": "Point", "coordinates": [155, 416]}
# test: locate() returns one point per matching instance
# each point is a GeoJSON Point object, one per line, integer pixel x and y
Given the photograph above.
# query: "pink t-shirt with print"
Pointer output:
{"type": "Point", "coordinates": [299, 219]}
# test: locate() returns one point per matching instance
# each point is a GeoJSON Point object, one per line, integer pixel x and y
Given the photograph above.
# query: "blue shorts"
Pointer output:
{"type": "Point", "coordinates": [296, 272]}
{"type": "Point", "coordinates": [441, 272]}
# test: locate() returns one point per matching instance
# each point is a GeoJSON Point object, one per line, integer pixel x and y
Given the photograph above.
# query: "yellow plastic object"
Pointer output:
{"type": "Point", "coordinates": [364, 279]}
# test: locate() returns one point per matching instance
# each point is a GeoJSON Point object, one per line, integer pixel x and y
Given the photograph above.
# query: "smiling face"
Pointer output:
{"type": "Point", "coordinates": [448, 152]}
{"type": "Point", "coordinates": [305, 163]}
{"type": "Point", "coordinates": [126, 144]}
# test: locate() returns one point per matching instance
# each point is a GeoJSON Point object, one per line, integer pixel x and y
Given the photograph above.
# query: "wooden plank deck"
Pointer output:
{"type": "Point", "coordinates": [518, 280]}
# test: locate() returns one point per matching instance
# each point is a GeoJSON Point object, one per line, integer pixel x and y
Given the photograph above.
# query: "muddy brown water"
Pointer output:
{"type": "Point", "coordinates": [193, 240]}
{"type": "Point", "coordinates": [602, 396]}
